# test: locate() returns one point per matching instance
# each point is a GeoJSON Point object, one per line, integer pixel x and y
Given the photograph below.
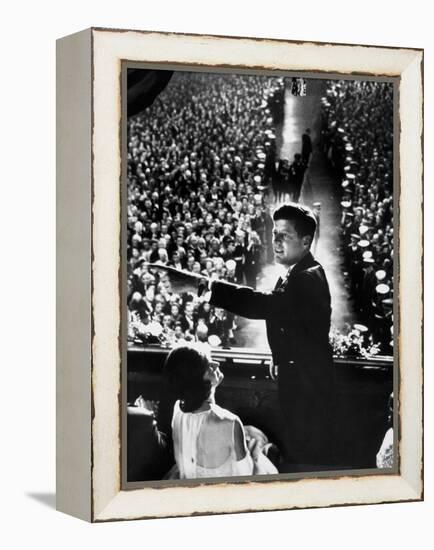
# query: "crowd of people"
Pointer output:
{"type": "Point", "coordinates": [358, 139]}
{"type": "Point", "coordinates": [199, 160]}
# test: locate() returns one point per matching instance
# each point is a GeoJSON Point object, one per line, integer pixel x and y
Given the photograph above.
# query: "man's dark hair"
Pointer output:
{"type": "Point", "coordinates": [185, 368]}
{"type": "Point", "coordinates": [302, 217]}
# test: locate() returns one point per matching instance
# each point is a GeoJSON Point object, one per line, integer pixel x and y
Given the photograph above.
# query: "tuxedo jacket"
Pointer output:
{"type": "Point", "coordinates": [297, 314]}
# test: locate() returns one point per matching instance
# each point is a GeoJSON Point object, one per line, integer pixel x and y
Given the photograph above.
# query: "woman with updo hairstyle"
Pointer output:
{"type": "Point", "coordinates": [208, 441]}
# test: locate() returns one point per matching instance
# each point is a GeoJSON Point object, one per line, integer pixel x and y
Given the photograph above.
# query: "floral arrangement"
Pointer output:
{"type": "Point", "coordinates": [356, 343]}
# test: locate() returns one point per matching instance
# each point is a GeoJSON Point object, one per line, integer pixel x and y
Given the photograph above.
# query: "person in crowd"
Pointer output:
{"type": "Point", "coordinates": [239, 255]}
{"type": "Point", "coordinates": [176, 262]}
{"type": "Point", "coordinates": [208, 440]}
{"type": "Point", "coordinates": [220, 324]}
{"type": "Point", "coordinates": [296, 174]}
{"type": "Point", "coordinates": [306, 147]}
{"type": "Point", "coordinates": [316, 210]}
{"type": "Point", "coordinates": [284, 182]}
{"type": "Point", "coordinates": [385, 455]}
{"type": "Point", "coordinates": [138, 306]}
{"type": "Point", "coordinates": [253, 259]}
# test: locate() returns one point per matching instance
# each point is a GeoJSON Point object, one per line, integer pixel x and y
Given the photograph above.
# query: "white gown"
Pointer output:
{"type": "Point", "coordinates": [193, 459]}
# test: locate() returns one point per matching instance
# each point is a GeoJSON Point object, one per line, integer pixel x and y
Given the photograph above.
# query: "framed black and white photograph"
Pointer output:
{"type": "Point", "coordinates": [250, 224]}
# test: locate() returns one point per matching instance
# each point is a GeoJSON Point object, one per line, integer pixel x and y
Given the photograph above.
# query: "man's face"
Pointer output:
{"type": "Point", "coordinates": [288, 247]}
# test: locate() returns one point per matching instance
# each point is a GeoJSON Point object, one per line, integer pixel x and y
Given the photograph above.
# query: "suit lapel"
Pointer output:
{"type": "Point", "coordinates": [304, 263]}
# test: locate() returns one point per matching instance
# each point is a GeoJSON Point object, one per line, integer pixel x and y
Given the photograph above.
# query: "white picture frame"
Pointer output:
{"type": "Point", "coordinates": [88, 273]}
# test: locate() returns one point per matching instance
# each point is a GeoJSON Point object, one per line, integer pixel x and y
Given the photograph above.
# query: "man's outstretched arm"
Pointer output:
{"type": "Point", "coordinates": [245, 301]}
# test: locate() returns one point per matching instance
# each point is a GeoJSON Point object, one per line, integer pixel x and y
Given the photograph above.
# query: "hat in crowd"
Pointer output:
{"type": "Point", "coordinates": [261, 166]}
{"type": "Point", "coordinates": [351, 176]}
{"type": "Point", "coordinates": [349, 214]}
{"type": "Point", "coordinates": [367, 254]}
{"type": "Point", "coordinates": [380, 274]}
{"type": "Point", "coordinates": [368, 260]}
{"type": "Point", "coordinates": [388, 302]}
{"type": "Point", "coordinates": [257, 179]}
{"type": "Point", "coordinates": [316, 204]}
{"type": "Point", "coordinates": [355, 236]}
{"type": "Point", "coordinates": [345, 183]}
{"type": "Point", "coordinates": [363, 229]}
{"type": "Point", "coordinates": [363, 243]}
{"type": "Point", "coordinates": [261, 156]}
{"type": "Point", "coordinates": [382, 288]}
{"type": "Point", "coordinates": [348, 147]}
{"type": "Point", "coordinates": [360, 328]}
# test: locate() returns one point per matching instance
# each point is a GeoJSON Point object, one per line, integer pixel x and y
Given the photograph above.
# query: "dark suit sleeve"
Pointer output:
{"type": "Point", "coordinates": [247, 302]}
{"type": "Point", "coordinates": [306, 300]}
{"type": "Point", "coordinates": [240, 300]}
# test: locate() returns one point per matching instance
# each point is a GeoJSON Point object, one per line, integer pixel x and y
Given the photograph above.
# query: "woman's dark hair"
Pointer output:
{"type": "Point", "coordinates": [184, 368]}
{"type": "Point", "coordinates": [303, 218]}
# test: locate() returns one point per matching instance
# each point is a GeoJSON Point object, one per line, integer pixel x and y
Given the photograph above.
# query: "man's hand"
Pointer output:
{"type": "Point", "coordinates": [179, 280]}
{"type": "Point", "coordinates": [273, 370]}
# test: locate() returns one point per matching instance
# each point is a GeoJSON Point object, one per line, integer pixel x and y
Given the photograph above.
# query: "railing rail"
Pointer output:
{"type": "Point", "coordinates": [252, 356]}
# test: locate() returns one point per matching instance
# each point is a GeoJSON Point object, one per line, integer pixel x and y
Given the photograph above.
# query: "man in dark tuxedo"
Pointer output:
{"type": "Point", "coordinates": [297, 314]}
{"type": "Point", "coordinates": [306, 147]}
{"type": "Point", "coordinates": [296, 175]}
